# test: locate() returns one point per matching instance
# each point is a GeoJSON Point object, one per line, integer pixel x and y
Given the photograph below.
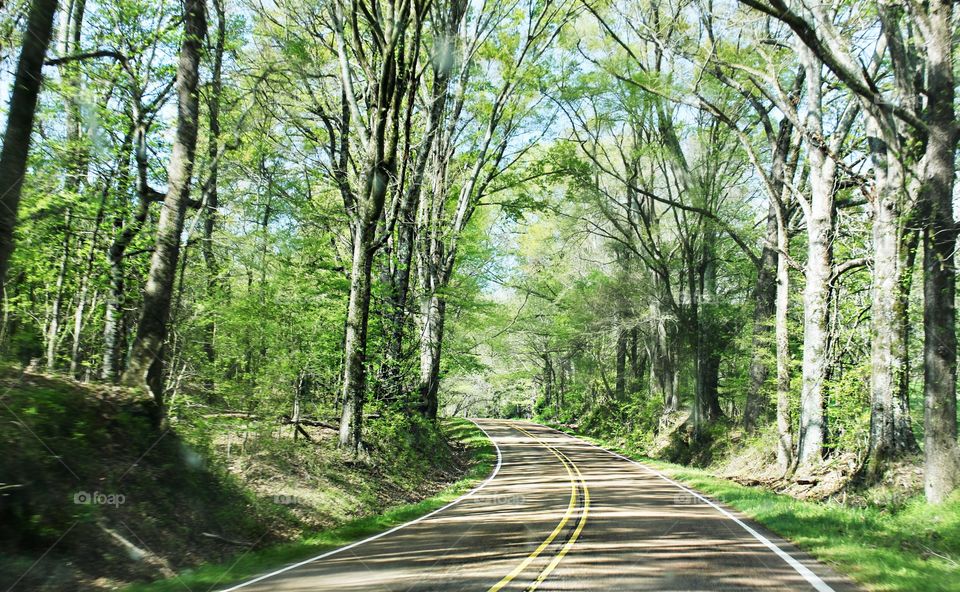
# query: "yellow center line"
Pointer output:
{"type": "Point", "coordinates": [576, 533]}
{"type": "Point", "coordinates": [574, 496]}
{"type": "Point", "coordinates": [556, 531]}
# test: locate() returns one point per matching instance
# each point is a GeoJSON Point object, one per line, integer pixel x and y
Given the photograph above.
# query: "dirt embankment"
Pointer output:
{"type": "Point", "coordinates": [94, 496]}
{"type": "Point", "coordinates": [728, 452]}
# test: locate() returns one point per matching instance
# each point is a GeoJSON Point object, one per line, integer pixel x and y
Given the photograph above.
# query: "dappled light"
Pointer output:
{"type": "Point", "coordinates": [641, 533]}
{"type": "Point", "coordinates": [270, 269]}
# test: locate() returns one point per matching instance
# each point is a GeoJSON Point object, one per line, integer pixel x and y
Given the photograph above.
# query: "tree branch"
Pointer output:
{"type": "Point", "coordinates": [87, 55]}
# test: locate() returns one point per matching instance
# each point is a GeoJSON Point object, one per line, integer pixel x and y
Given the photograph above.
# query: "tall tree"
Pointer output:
{"type": "Point", "coordinates": [381, 46]}
{"type": "Point", "coordinates": [819, 213]}
{"type": "Point", "coordinates": [920, 42]}
{"type": "Point", "coordinates": [446, 18]}
{"type": "Point", "coordinates": [70, 30]}
{"type": "Point", "coordinates": [146, 356]}
{"type": "Point", "coordinates": [505, 106]}
{"type": "Point", "coordinates": [210, 199]}
{"type": "Point", "coordinates": [23, 106]}
{"type": "Point", "coordinates": [942, 467]}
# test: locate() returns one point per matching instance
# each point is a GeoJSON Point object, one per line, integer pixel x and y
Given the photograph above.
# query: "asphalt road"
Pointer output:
{"type": "Point", "coordinates": [561, 514]}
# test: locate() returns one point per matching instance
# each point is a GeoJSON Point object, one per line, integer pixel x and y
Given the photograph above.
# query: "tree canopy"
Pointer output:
{"type": "Point", "coordinates": [685, 217]}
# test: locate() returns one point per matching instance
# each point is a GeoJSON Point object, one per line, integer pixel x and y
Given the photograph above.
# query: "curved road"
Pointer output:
{"type": "Point", "coordinates": [562, 514]}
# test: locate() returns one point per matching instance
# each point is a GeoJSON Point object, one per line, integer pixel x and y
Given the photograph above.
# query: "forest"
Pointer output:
{"type": "Point", "coordinates": [697, 222]}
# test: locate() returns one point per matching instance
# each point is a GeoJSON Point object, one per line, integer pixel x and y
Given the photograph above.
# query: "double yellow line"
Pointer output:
{"type": "Point", "coordinates": [575, 476]}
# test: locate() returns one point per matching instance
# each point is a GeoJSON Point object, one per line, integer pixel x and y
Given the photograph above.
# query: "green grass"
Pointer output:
{"type": "Point", "coordinates": [916, 547]}
{"type": "Point", "coordinates": [260, 561]}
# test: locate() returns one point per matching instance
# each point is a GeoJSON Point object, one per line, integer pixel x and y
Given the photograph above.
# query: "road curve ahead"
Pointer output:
{"type": "Point", "coordinates": [562, 514]}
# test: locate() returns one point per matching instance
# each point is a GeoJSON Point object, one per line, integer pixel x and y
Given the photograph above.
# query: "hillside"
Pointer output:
{"type": "Point", "coordinates": [95, 496]}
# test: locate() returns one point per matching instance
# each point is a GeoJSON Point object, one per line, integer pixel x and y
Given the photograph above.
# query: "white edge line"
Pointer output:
{"type": "Point", "coordinates": [470, 493]}
{"type": "Point", "coordinates": [800, 568]}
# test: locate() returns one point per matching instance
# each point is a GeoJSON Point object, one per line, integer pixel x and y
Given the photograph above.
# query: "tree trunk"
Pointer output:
{"type": "Point", "coordinates": [816, 298]}
{"type": "Point", "coordinates": [398, 294]}
{"type": "Point", "coordinates": [636, 363]}
{"type": "Point", "coordinates": [562, 385]}
{"type": "Point", "coordinates": [383, 95]}
{"type": "Point", "coordinates": [662, 362]}
{"type": "Point", "coordinates": [890, 433]}
{"type": "Point", "coordinates": [399, 279]}
{"type": "Point", "coordinates": [358, 310]}
{"type": "Point", "coordinates": [76, 158]}
{"type": "Point", "coordinates": [658, 381]}
{"type": "Point", "coordinates": [764, 310]}
{"type": "Point", "coordinates": [113, 319]}
{"type": "Point", "coordinates": [911, 242]}
{"type": "Point", "coordinates": [211, 197]}
{"type": "Point", "coordinates": [433, 313]}
{"type": "Point", "coordinates": [23, 105]}
{"type": "Point", "coordinates": [782, 331]}
{"type": "Point", "coordinates": [816, 293]}
{"type": "Point", "coordinates": [76, 357]}
{"type": "Point", "coordinates": [77, 334]}
{"type": "Point", "coordinates": [548, 393]}
{"type": "Point", "coordinates": [710, 330]}
{"type": "Point", "coordinates": [711, 383]}
{"type": "Point", "coordinates": [146, 358]}
{"type": "Point", "coordinates": [295, 414]}
{"type": "Point", "coordinates": [398, 282]}
{"type": "Point", "coordinates": [621, 380]}
{"type": "Point", "coordinates": [114, 333]}
{"type": "Point", "coordinates": [53, 327]}
{"type": "Point", "coordinates": [355, 345]}
{"type": "Point", "coordinates": [88, 275]}
{"type": "Point", "coordinates": [707, 404]}
{"type": "Point", "coordinates": [942, 460]}
{"type": "Point", "coordinates": [701, 282]}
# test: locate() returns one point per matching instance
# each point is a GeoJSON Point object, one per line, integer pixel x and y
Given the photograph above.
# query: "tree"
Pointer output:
{"type": "Point", "coordinates": [507, 102]}
{"type": "Point", "coordinates": [383, 47]}
{"type": "Point", "coordinates": [447, 20]}
{"type": "Point", "coordinates": [942, 467]}
{"type": "Point", "coordinates": [929, 124]}
{"type": "Point", "coordinates": [146, 356]}
{"type": "Point", "coordinates": [691, 189]}
{"type": "Point", "coordinates": [23, 105]}
{"type": "Point", "coordinates": [210, 198]}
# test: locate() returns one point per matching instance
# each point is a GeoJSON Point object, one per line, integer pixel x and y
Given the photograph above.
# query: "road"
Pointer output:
{"type": "Point", "coordinates": [561, 514]}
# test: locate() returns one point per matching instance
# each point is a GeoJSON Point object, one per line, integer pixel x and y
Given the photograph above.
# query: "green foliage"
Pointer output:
{"type": "Point", "coordinates": [848, 410]}
{"type": "Point", "coordinates": [410, 441]}
{"type": "Point", "coordinates": [618, 158]}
